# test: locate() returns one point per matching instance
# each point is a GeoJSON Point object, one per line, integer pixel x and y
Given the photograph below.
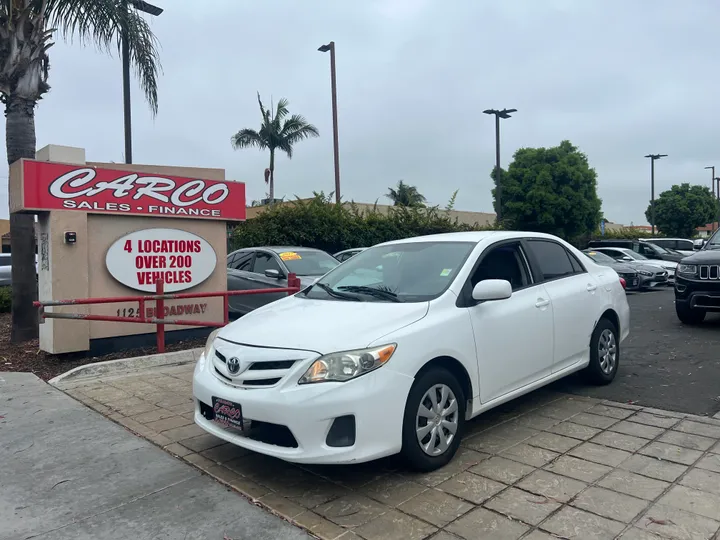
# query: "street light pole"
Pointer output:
{"type": "Point", "coordinates": [505, 113]}
{"type": "Point", "coordinates": [653, 157]}
{"type": "Point", "coordinates": [717, 201]}
{"type": "Point", "coordinates": [330, 47]}
{"type": "Point", "coordinates": [712, 181]}
{"type": "Point", "coordinates": [140, 5]}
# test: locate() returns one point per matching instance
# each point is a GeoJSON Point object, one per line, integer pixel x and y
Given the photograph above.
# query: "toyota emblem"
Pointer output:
{"type": "Point", "coordinates": [233, 365]}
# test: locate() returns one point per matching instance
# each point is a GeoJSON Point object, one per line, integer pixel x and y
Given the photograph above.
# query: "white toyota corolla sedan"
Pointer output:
{"type": "Point", "coordinates": [395, 349]}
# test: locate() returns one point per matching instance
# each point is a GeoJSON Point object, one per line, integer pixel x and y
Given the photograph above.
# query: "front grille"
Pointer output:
{"type": "Point", "coordinates": [709, 271]}
{"type": "Point", "coordinates": [259, 367]}
{"type": "Point", "coordinates": [706, 301]}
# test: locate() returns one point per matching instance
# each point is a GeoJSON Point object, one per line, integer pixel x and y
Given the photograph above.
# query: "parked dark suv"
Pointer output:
{"type": "Point", "coordinates": [697, 283]}
{"type": "Point", "coordinates": [648, 249]}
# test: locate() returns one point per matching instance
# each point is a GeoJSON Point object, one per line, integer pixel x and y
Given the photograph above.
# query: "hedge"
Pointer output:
{"type": "Point", "coordinates": [321, 224]}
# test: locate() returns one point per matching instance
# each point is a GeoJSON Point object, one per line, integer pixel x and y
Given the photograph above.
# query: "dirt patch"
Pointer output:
{"type": "Point", "coordinates": [28, 357]}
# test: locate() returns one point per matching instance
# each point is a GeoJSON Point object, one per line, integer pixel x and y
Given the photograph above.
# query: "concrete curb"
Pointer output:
{"type": "Point", "coordinates": [111, 368]}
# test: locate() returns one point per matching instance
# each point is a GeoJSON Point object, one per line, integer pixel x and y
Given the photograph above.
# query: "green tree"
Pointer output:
{"type": "Point", "coordinates": [682, 209]}
{"type": "Point", "coordinates": [406, 195]}
{"type": "Point", "coordinates": [551, 190]}
{"type": "Point", "coordinates": [27, 28]}
{"type": "Point", "coordinates": [276, 133]}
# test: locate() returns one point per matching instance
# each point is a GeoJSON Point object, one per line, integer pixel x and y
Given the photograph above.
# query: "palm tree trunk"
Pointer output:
{"type": "Point", "coordinates": [272, 176]}
{"type": "Point", "coordinates": [20, 143]}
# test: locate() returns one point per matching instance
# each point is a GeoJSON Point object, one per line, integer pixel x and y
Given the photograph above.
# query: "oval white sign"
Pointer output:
{"type": "Point", "coordinates": [181, 259]}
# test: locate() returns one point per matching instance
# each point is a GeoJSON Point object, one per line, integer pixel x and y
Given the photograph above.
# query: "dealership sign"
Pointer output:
{"type": "Point", "coordinates": [56, 186]}
{"type": "Point", "coordinates": [179, 258]}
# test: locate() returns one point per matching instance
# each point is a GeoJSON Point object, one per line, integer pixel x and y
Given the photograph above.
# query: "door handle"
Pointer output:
{"type": "Point", "coordinates": [541, 303]}
{"type": "Point", "coordinates": [591, 287]}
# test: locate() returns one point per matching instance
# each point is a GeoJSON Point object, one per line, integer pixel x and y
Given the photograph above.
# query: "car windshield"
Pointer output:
{"type": "Point", "coordinates": [403, 272]}
{"type": "Point", "coordinates": [634, 254]}
{"type": "Point", "coordinates": [308, 263]}
{"type": "Point", "coordinates": [599, 258]}
{"type": "Point", "coordinates": [657, 249]}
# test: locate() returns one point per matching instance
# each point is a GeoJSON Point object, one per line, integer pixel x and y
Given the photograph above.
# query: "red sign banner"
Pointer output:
{"type": "Point", "coordinates": [55, 186]}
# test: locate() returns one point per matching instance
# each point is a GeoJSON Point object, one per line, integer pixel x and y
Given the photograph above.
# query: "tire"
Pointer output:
{"type": "Point", "coordinates": [689, 316]}
{"type": "Point", "coordinates": [417, 458]}
{"type": "Point", "coordinates": [603, 365]}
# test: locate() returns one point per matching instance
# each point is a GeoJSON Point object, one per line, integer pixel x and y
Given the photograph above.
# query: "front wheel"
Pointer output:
{"type": "Point", "coordinates": [433, 421]}
{"type": "Point", "coordinates": [604, 353]}
{"type": "Point", "coordinates": [688, 315]}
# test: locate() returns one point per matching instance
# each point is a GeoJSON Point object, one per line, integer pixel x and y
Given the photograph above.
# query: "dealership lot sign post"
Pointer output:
{"type": "Point", "coordinates": [116, 230]}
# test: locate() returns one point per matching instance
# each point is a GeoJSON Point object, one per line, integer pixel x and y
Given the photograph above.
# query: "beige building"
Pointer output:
{"type": "Point", "coordinates": [482, 219]}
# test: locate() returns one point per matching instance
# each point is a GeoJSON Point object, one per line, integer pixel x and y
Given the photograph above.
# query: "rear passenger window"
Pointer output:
{"type": "Point", "coordinates": [577, 267]}
{"type": "Point", "coordinates": [553, 259]}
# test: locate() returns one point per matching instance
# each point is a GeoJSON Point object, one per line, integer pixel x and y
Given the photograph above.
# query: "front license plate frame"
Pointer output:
{"type": "Point", "coordinates": [228, 413]}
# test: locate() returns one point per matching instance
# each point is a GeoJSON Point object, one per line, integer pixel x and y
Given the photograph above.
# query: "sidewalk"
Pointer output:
{"type": "Point", "coordinates": [543, 465]}
{"type": "Point", "coordinates": [68, 473]}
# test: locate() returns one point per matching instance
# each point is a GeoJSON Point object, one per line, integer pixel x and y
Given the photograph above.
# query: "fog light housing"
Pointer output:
{"type": "Point", "coordinates": [342, 432]}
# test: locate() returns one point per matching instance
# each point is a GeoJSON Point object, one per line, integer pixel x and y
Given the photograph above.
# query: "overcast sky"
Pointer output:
{"type": "Point", "coordinates": [618, 78]}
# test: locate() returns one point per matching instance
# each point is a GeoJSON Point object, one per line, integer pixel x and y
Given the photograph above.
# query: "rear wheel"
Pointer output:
{"type": "Point", "coordinates": [688, 315]}
{"type": "Point", "coordinates": [604, 353]}
{"type": "Point", "coordinates": [434, 420]}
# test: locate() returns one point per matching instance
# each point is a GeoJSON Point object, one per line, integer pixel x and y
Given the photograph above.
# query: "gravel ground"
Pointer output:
{"type": "Point", "coordinates": [663, 364]}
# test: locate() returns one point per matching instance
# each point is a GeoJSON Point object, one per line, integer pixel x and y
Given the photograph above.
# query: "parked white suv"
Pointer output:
{"type": "Point", "coordinates": [396, 348]}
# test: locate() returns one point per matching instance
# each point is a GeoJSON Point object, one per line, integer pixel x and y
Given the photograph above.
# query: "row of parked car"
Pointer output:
{"type": "Point", "coordinates": [642, 264]}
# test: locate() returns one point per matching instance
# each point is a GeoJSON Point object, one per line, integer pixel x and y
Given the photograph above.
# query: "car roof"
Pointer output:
{"type": "Point", "coordinates": [279, 249]}
{"type": "Point", "coordinates": [472, 236]}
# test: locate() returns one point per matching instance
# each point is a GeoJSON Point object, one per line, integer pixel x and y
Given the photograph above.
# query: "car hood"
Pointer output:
{"type": "Point", "coordinates": [322, 326]}
{"type": "Point", "coordinates": [654, 266]}
{"type": "Point", "coordinates": [706, 256]}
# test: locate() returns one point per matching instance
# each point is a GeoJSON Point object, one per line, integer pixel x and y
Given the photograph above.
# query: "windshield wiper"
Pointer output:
{"type": "Point", "coordinates": [336, 294]}
{"type": "Point", "coordinates": [371, 291]}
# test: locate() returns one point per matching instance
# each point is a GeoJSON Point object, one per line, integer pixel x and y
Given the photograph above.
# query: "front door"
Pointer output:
{"type": "Point", "coordinates": [513, 337]}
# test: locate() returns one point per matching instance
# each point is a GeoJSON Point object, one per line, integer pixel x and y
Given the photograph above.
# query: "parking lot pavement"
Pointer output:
{"type": "Point", "coordinates": [664, 364]}
{"type": "Point", "coordinates": [68, 473]}
{"type": "Point", "coordinates": [544, 466]}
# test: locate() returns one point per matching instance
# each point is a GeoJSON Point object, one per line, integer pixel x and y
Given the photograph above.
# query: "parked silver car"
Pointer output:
{"type": "Point", "coordinates": [5, 277]}
{"type": "Point", "coordinates": [268, 268]}
{"type": "Point", "coordinates": [653, 272]}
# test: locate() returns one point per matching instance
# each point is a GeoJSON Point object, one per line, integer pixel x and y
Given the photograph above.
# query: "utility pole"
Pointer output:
{"type": "Point", "coordinates": [712, 184]}
{"type": "Point", "coordinates": [140, 5]}
{"type": "Point", "coordinates": [330, 47]}
{"type": "Point", "coordinates": [653, 157]}
{"type": "Point", "coordinates": [505, 113]}
{"type": "Point", "coordinates": [717, 202]}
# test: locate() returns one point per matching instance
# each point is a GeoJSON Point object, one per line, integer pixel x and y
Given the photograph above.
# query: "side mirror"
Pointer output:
{"type": "Point", "coordinates": [274, 274]}
{"type": "Point", "coordinates": [492, 289]}
{"type": "Point", "coordinates": [627, 258]}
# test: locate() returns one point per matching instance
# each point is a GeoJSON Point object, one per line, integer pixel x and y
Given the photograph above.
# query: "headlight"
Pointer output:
{"type": "Point", "coordinates": [687, 269]}
{"type": "Point", "coordinates": [645, 273]}
{"type": "Point", "coordinates": [209, 343]}
{"type": "Point", "coordinates": [343, 366]}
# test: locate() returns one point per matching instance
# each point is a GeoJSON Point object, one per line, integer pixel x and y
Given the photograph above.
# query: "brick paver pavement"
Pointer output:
{"type": "Point", "coordinates": [544, 466]}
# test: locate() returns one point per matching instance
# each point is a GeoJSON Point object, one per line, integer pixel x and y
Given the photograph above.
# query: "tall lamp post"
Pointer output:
{"type": "Point", "coordinates": [712, 183]}
{"type": "Point", "coordinates": [653, 157]}
{"type": "Point", "coordinates": [505, 113]}
{"type": "Point", "coordinates": [150, 9]}
{"type": "Point", "coordinates": [330, 47]}
{"type": "Point", "coordinates": [717, 201]}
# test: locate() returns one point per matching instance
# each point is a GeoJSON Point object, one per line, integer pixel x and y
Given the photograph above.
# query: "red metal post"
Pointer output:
{"type": "Point", "coordinates": [293, 283]}
{"type": "Point", "coordinates": [160, 309]}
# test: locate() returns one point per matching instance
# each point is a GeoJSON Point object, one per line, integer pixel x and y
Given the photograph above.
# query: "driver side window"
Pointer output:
{"type": "Point", "coordinates": [503, 262]}
{"type": "Point", "coordinates": [265, 261]}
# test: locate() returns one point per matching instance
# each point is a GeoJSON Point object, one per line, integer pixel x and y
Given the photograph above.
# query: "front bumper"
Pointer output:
{"type": "Point", "coordinates": [698, 294]}
{"type": "Point", "coordinates": [307, 413]}
{"type": "Point", "coordinates": [651, 282]}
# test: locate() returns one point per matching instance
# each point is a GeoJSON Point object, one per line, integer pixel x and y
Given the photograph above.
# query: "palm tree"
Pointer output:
{"type": "Point", "coordinates": [26, 30]}
{"type": "Point", "coordinates": [405, 195]}
{"type": "Point", "coordinates": [275, 134]}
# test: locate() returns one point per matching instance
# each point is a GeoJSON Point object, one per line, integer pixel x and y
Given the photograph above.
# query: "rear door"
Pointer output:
{"type": "Point", "coordinates": [575, 300]}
